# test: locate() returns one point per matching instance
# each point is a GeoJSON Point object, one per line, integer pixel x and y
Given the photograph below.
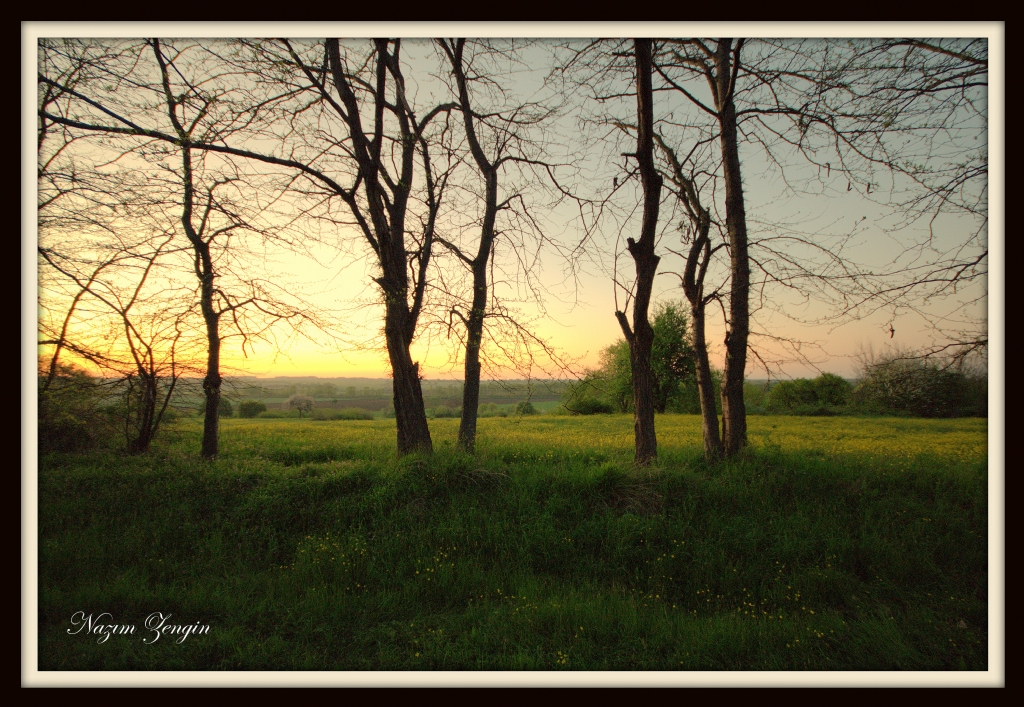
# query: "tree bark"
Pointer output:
{"type": "Point", "coordinates": [734, 413]}
{"type": "Point", "coordinates": [410, 414]}
{"type": "Point", "coordinates": [474, 339]}
{"type": "Point", "coordinates": [475, 322]}
{"type": "Point", "coordinates": [641, 336]}
{"type": "Point", "coordinates": [706, 387]}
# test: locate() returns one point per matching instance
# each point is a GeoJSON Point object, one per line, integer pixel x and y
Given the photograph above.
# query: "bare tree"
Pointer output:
{"type": "Point", "coordinates": [498, 140]}
{"type": "Point", "coordinates": [640, 336]}
{"type": "Point", "coordinates": [206, 214]}
{"type": "Point", "coordinates": [893, 121]}
{"type": "Point", "coordinates": [130, 329]}
{"type": "Point", "coordinates": [697, 261]}
{"type": "Point", "coordinates": [897, 121]}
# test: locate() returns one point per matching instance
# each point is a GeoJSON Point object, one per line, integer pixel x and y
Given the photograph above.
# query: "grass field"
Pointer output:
{"type": "Point", "coordinates": [834, 544]}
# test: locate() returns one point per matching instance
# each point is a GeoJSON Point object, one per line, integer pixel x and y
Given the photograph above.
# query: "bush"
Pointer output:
{"type": "Point", "coordinates": [897, 383]}
{"type": "Point", "coordinates": [588, 406]}
{"type": "Point", "coordinates": [825, 395]}
{"type": "Point", "coordinates": [71, 418]}
{"type": "Point", "coordinates": [442, 411]}
{"type": "Point", "coordinates": [832, 390]}
{"type": "Point", "coordinates": [251, 408]}
{"type": "Point", "coordinates": [610, 387]}
{"type": "Point", "coordinates": [526, 408]}
{"type": "Point", "coordinates": [491, 410]}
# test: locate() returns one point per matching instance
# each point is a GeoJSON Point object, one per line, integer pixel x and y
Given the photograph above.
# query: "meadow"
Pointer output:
{"type": "Point", "coordinates": [832, 544]}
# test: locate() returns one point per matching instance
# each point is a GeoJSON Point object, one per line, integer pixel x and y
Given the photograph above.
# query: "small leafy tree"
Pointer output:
{"type": "Point", "coordinates": [251, 408]}
{"type": "Point", "coordinates": [672, 360]}
{"type": "Point", "coordinates": [302, 403]}
{"type": "Point", "coordinates": [672, 365]}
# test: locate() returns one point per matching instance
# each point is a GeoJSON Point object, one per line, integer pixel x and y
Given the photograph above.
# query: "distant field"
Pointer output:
{"type": "Point", "coordinates": [834, 544]}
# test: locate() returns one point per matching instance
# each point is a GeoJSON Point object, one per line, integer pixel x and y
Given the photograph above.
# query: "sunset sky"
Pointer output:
{"type": "Point", "coordinates": [578, 308]}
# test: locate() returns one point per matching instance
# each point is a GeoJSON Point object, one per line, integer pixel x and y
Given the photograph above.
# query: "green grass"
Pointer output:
{"type": "Point", "coordinates": [834, 544]}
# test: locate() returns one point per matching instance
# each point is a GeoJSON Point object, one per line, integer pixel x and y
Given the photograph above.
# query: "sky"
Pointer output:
{"type": "Point", "coordinates": [576, 316]}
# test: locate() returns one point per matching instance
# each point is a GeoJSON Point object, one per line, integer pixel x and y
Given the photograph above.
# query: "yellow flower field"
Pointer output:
{"type": "Point", "coordinates": [611, 437]}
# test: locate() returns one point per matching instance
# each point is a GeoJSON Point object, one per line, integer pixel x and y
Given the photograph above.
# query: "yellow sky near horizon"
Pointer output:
{"type": "Point", "coordinates": [579, 322]}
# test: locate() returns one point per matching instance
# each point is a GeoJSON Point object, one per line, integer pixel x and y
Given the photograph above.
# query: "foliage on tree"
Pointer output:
{"type": "Point", "coordinates": [302, 403]}
{"type": "Point", "coordinates": [610, 387]}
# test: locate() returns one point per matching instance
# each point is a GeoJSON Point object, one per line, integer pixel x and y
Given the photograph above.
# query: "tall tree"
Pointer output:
{"type": "Point", "coordinates": [499, 141]}
{"type": "Point", "coordinates": [640, 335]}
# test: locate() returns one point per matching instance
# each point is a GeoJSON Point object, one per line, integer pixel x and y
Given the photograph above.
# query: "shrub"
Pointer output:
{"type": "Point", "coordinates": [897, 383]}
{"type": "Point", "coordinates": [825, 395]}
{"type": "Point", "coordinates": [71, 412]}
{"type": "Point", "coordinates": [491, 410]}
{"type": "Point", "coordinates": [526, 408]}
{"type": "Point", "coordinates": [443, 411]}
{"type": "Point", "coordinates": [588, 406]}
{"type": "Point", "coordinates": [225, 409]}
{"type": "Point", "coordinates": [831, 389]}
{"type": "Point", "coordinates": [250, 408]}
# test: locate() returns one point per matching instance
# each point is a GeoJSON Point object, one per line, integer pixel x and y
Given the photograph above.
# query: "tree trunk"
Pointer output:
{"type": "Point", "coordinates": [212, 381]}
{"type": "Point", "coordinates": [211, 317]}
{"type": "Point", "coordinates": [140, 425]}
{"type": "Point", "coordinates": [705, 386]}
{"type": "Point", "coordinates": [475, 323]}
{"type": "Point", "coordinates": [410, 414]}
{"type": "Point", "coordinates": [643, 391]}
{"type": "Point", "coordinates": [474, 338]}
{"type": "Point", "coordinates": [641, 336]}
{"type": "Point", "coordinates": [734, 413]}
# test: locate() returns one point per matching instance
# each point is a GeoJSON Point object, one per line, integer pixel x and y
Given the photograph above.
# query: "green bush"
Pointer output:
{"type": "Point", "coordinates": [491, 410]}
{"type": "Point", "coordinates": [251, 408]}
{"type": "Point", "coordinates": [588, 406]}
{"type": "Point", "coordinates": [825, 395]}
{"type": "Point", "coordinates": [225, 409]}
{"type": "Point", "coordinates": [610, 387]}
{"type": "Point", "coordinates": [832, 390]}
{"type": "Point", "coordinates": [526, 408]}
